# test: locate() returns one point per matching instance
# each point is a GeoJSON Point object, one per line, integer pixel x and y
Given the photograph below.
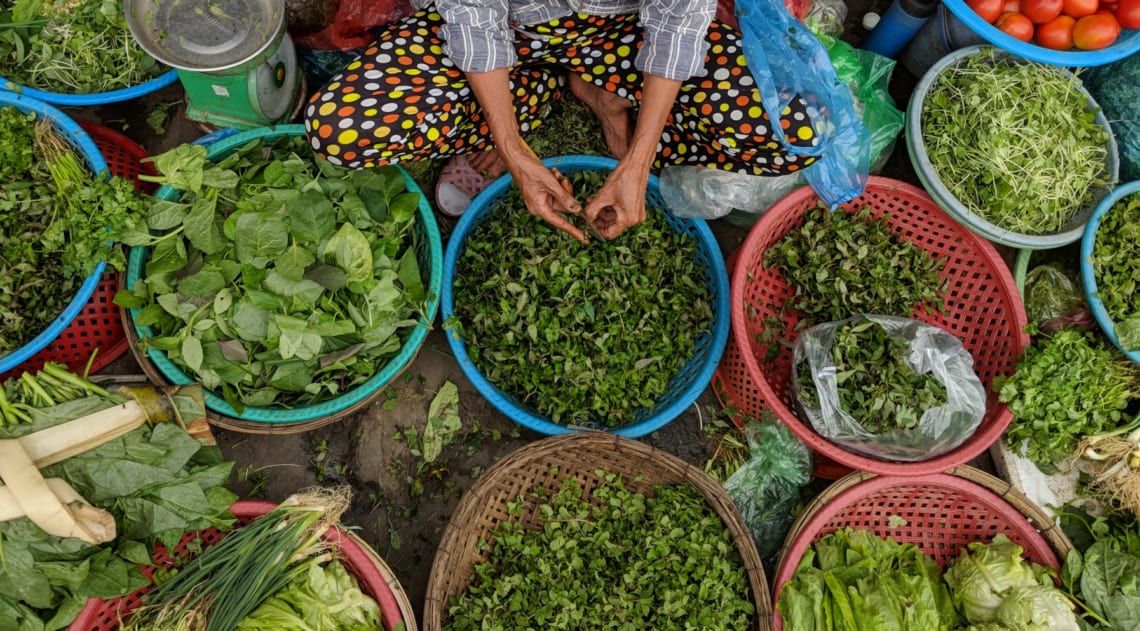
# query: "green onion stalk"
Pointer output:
{"type": "Point", "coordinates": [229, 580]}
{"type": "Point", "coordinates": [51, 386]}
{"type": "Point", "coordinates": [1113, 461]}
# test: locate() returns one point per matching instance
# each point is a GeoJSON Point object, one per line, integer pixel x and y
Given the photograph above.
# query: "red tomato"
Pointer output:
{"type": "Point", "coordinates": [1128, 13]}
{"type": "Point", "coordinates": [1015, 25]}
{"type": "Point", "coordinates": [988, 10]}
{"type": "Point", "coordinates": [1095, 31]}
{"type": "Point", "coordinates": [1041, 11]}
{"type": "Point", "coordinates": [1057, 33]}
{"type": "Point", "coordinates": [1011, 6]}
{"type": "Point", "coordinates": [1079, 8]}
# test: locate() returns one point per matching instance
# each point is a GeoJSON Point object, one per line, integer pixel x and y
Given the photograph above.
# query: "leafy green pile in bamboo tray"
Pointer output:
{"type": "Point", "coordinates": [71, 46]}
{"type": "Point", "coordinates": [615, 560]}
{"type": "Point", "coordinates": [278, 279]}
{"type": "Point", "coordinates": [124, 480]}
{"type": "Point", "coordinates": [1014, 142]}
{"type": "Point", "coordinates": [852, 579]}
{"type": "Point", "coordinates": [57, 222]}
{"type": "Point", "coordinates": [1116, 262]}
{"type": "Point", "coordinates": [583, 334]}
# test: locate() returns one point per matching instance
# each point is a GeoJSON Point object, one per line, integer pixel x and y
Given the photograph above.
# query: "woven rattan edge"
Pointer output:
{"type": "Point", "coordinates": [458, 536]}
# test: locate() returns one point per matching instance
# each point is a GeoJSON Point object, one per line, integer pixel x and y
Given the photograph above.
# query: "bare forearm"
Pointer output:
{"type": "Point", "coordinates": [493, 91]}
{"type": "Point", "coordinates": [658, 96]}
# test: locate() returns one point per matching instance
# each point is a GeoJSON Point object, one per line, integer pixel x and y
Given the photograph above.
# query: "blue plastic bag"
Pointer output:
{"type": "Point", "coordinates": [787, 61]}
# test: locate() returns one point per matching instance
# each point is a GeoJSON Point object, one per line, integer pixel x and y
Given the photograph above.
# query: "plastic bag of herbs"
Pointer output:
{"type": "Point", "coordinates": [278, 279]}
{"type": "Point", "coordinates": [889, 387]}
{"type": "Point", "coordinates": [124, 472]}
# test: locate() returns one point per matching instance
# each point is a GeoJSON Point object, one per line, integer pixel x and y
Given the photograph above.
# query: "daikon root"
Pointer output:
{"type": "Point", "coordinates": [39, 503]}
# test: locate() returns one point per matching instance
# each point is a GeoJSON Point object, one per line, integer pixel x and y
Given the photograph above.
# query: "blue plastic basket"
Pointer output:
{"type": "Point", "coordinates": [1088, 275]}
{"type": "Point", "coordinates": [429, 253]}
{"type": "Point", "coordinates": [94, 98]}
{"type": "Point", "coordinates": [1127, 44]}
{"type": "Point", "coordinates": [684, 388]}
{"type": "Point", "coordinates": [83, 145]}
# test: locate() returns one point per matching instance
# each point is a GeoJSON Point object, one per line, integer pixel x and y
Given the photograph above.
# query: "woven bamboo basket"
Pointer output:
{"type": "Point", "coordinates": [578, 456]}
{"type": "Point", "coordinates": [943, 513]}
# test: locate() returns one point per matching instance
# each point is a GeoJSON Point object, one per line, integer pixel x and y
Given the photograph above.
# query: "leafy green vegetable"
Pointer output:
{"type": "Point", "coordinates": [322, 598]}
{"type": "Point", "coordinates": [876, 384]}
{"type": "Point", "coordinates": [280, 280]}
{"type": "Point", "coordinates": [1104, 569]}
{"type": "Point", "coordinates": [843, 264]}
{"type": "Point", "coordinates": [1013, 142]}
{"type": "Point", "coordinates": [1116, 262]}
{"type": "Point", "coordinates": [158, 482]}
{"type": "Point", "coordinates": [1037, 608]}
{"type": "Point", "coordinates": [1066, 386]}
{"type": "Point", "coordinates": [583, 334]}
{"type": "Point", "coordinates": [617, 560]}
{"type": "Point", "coordinates": [986, 574]}
{"type": "Point", "coordinates": [1051, 293]}
{"type": "Point", "coordinates": [57, 222]}
{"type": "Point", "coordinates": [443, 421]}
{"type": "Point", "coordinates": [852, 579]}
{"type": "Point", "coordinates": [75, 46]}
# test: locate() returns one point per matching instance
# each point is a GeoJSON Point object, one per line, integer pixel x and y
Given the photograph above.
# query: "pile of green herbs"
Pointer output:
{"type": "Point", "coordinates": [158, 482]}
{"type": "Point", "coordinates": [876, 384]}
{"type": "Point", "coordinates": [1103, 571]}
{"type": "Point", "coordinates": [1066, 386]}
{"type": "Point", "coordinates": [57, 222]}
{"type": "Point", "coordinates": [842, 264]}
{"type": "Point", "coordinates": [852, 579]}
{"type": "Point", "coordinates": [71, 46]}
{"type": "Point", "coordinates": [278, 279]}
{"type": "Point", "coordinates": [1015, 142]}
{"type": "Point", "coordinates": [584, 334]}
{"type": "Point", "coordinates": [617, 559]}
{"type": "Point", "coordinates": [1116, 261]}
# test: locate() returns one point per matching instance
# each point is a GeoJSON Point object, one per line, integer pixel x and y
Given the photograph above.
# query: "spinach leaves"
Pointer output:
{"type": "Point", "coordinates": [277, 279]}
{"type": "Point", "coordinates": [1104, 570]}
{"type": "Point", "coordinates": [1116, 261]}
{"type": "Point", "coordinates": [583, 334]}
{"type": "Point", "coordinates": [615, 560]}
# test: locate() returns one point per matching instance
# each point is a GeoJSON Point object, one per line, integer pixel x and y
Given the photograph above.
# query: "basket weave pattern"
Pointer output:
{"type": "Point", "coordinates": [982, 308]}
{"type": "Point", "coordinates": [546, 463]}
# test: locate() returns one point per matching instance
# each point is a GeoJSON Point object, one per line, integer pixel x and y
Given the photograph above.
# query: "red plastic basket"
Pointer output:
{"type": "Point", "coordinates": [99, 325]}
{"type": "Point", "coordinates": [943, 514]}
{"type": "Point", "coordinates": [104, 615]}
{"type": "Point", "coordinates": [983, 309]}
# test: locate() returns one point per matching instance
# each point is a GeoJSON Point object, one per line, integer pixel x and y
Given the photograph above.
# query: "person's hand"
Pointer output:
{"type": "Point", "coordinates": [620, 203]}
{"type": "Point", "coordinates": [547, 195]}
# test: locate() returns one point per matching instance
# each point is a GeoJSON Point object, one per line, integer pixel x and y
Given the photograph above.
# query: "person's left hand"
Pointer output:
{"type": "Point", "coordinates": [620, 204]}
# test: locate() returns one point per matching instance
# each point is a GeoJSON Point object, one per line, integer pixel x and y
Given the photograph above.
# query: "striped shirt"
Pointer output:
{"type": "Point", "coordinates": [479, 38]}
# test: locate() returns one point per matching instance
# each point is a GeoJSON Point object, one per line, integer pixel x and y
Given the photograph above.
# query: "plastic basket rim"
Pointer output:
{"type": "Point", "coordinates": [1127, 44]}
{"type": "Point", "coordinates": [1088, 274]}
{"type": "Point", "coordinates": [391, 368]}
{"type": "Point", "coordinates": [928, 176]}
{"type": "Point", "coordinates": [83, 144]}
{"type": "Point", "coordinates": [154, 84]}
{"type": "Point", "coordinates": [258, 508]}
{"type": "Point", "coordinates": [978, 442]}
{"type": "Point", "coordinates": [867, 488]}
{"type": "Point", "coordinates": [482, 205]}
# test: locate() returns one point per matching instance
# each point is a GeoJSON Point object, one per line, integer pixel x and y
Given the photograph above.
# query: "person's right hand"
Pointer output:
{"type": "Point", "coordinates": [547, 195]}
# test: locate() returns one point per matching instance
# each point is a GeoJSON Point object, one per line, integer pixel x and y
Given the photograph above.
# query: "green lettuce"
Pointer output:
{"type": "Point", "coordinates": [983, 576]}
{"type": "Point", "coordinates": [1037, 608]}
{"type": "Point", "coordinates": [320, 598]}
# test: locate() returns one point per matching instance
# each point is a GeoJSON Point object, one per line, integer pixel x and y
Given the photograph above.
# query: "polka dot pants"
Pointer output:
{"type": "Point", "coordinates": [403, 100]}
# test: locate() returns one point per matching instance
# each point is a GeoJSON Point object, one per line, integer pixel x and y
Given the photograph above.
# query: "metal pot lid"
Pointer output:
{"type": "Point", "coordinates": [205, 35]}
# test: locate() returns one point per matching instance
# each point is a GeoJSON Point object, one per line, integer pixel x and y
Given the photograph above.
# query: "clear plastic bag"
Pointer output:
{"type": "Point", "coordinates": [1051, 293]}
{"type": "Point", "coordinates": [930, 350]}
{"type": "Point", "coordinates": [788, 62]}
{"type": "Point", "coordinates": [766, 488]}
{"type": "Point", "coordinates": [827, 17]}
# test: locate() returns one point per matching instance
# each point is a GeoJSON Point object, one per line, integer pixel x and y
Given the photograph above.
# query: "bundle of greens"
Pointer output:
{"type": "Point", "coordinates": [583, 334]}
{"type": "Point", "coordinates": [57, 222]}
{"type": "Point", "coordinates": [75, 46]}
{"type": "Point", "coordinates": [1112, 462]}
{"type": "Point", "coordinates": [277, 279]}
{"type": "Point", "coordinates": [1103, 571]}
{"type": "Point", "coordinates": [1066, 386]}
{"type": "Point", "coordinates": [615, 560]}
{"type": "Point", "coordinates": [1015, 142]}
{"type": "Point", "coordinates": [842, 264]}
{"type": "Point", "coordinates": [157, 481]}
{"type": "Point", "coordinates": [1116, 262]}
{"type": "Point", "coordinates": [876, 384]}
{"type": "Point", "coordinates": [852, 579]}
{"type": "Point", "coordinates": [276, 570]}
